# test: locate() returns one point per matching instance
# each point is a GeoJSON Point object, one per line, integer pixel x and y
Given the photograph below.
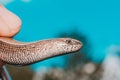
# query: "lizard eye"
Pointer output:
{"type": "Point", "coordinates": [68, 41]}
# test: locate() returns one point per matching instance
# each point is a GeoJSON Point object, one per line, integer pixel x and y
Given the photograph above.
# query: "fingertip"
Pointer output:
{"type": "Point", "coordinates": [10, 24]}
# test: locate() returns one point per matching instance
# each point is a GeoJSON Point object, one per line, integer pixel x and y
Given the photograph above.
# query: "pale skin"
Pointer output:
{"type": "Point", "coordinates": [10, 24]}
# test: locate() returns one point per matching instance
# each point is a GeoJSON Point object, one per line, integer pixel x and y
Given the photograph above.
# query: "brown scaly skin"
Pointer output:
{"type": "Point", "coordinates": [19, 53]}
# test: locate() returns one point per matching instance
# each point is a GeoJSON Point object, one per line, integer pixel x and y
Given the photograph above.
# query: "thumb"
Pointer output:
{"type": "Point", "coordinates": [9, 23]}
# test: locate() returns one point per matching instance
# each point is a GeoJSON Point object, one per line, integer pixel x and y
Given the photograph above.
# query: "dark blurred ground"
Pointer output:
{"type": "Point", "coordinates": [84, 71]}
{"type": "Point", "coordinates": [20, 73]}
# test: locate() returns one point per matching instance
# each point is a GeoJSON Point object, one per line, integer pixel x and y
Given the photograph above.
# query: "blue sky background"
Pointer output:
{"type": "Point", "coordinates": [98, 20]}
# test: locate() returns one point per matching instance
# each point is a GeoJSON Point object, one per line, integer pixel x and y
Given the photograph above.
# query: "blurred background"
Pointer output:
{"type": "Point", "coordinates": [95, 23]}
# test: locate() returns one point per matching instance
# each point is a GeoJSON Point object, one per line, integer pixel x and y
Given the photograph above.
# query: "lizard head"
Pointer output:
{"type": "Point", "coordinates": [67, 45]}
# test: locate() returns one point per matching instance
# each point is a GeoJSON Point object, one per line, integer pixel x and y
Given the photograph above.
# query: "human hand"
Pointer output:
{"type": "Point", "coordinates": [9, 23]}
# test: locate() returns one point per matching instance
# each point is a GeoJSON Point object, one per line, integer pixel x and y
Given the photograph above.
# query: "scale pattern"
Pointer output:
{"type": "Point", "coordinates": [22, 53]}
